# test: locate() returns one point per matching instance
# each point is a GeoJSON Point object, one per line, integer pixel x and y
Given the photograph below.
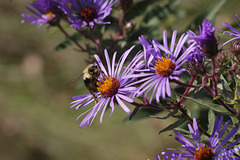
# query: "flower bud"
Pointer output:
{"type": "Point", "coordinates": [128, 28]}
{"type": "Point", "coordinates": [235, 48]}
{"type": "Point", "coordinates": [197, 69]}
{"type": "Point", "coordinates": [222, 59]}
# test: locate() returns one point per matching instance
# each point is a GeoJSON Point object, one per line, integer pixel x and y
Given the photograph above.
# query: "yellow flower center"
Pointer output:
{"type": "Point", "coordinates": [205, 153]}
{"type": "Point", "coordinates": [164, 67]}
{"type": "Point", "coordinates": [88, 14]}
{"type": "Point", "coordinates": [108, 87]}
{"type": "Point", "coordinates": [49, 14]}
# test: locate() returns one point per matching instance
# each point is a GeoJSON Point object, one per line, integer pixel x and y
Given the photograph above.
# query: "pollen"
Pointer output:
{"type": "Point", "coordinates": [88, 14]}
{"type": "Point", "coordinates": [164, 67]}
{"type": "Point", "coordinates": [49, 14]}
{"type": "Point", "coordinates": [108, 87]}
{"type": "Point", "coordinates": [205, 153]}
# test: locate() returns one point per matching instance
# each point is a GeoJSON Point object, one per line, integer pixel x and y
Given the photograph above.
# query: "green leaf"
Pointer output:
{"type": "Point", "coordinates": [63, 45]}
{"type": "Point", "coordinates": [174, 125]}
{"type": "Point", "coordinates": [170, 114]}
{"type": "Point", "coordinates": [144, 113]}
{"type": "Point", "coordinates": [225, 84]}
{"type": "Point", "coordinates": [184, 131]}
{"type": "Point", "coordinates": [211, 120]}
{"type": "Point", "coordinates": [224, 89]}
{"type": "Point", "coordinates": [234, 120]}
{"type": "Point", "coordinates": [215, 107]}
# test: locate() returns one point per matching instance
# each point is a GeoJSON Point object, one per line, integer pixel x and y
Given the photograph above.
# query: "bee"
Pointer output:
{"type": "Point", "coordinates": [90, 78]}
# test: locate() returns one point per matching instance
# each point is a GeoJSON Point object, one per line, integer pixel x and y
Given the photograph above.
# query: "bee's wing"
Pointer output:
{"type": "Point", "coordinates": [75, 79]}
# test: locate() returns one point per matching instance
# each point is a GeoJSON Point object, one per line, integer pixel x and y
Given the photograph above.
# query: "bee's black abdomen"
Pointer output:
{"type": "Point", "coordinates": [91, 84]}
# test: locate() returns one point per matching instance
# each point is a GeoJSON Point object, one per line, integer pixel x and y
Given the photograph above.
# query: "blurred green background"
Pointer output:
{"type": "Point", "coordinates": [35, 122]}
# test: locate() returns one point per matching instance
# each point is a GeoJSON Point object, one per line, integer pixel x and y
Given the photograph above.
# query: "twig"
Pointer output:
{"type": "Point", "coordinates": [70, 37]}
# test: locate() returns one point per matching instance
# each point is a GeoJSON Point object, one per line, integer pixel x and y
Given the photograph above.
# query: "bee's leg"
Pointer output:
{"type": "Point", "coordinates": [95, 98]}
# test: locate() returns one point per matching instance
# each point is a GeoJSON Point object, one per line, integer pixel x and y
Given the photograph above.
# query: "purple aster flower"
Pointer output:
{"type": "Point", "coordinates": [149, 51]}
{"type": "Point", "coordinates": [215, 149]}
{"type": "Point", "coordinates": [44, 11]}
{"type": "Point", "coordinates": [162, 67]}
{"type": "Point", "coordinates": [196, 60]}
{"type": "Point", "coordinates": [87, 12]}
{"type": "Point", "coordinates": [206, 40]}
{"type": "Point", "coordinates": [235, 33]}
{"type": "Point", "coordinates": [196, 55]}
{"type": "Point", "coordinates": [112, 87]}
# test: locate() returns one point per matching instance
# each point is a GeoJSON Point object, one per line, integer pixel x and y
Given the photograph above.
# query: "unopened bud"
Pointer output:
{"type": "Point", "coordinates": [222, 59]}
{"type": "Point", "coordinates": [235, 48]}
{"type": "Point", "coordinates": [197, 69]}
{"type": "Point", "coordinates": [128, 28]}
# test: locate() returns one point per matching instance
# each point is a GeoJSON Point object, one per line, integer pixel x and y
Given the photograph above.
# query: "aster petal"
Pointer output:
{"type": "Point", "coordinates": [163, 87]}
{"type": "Point", "coordinates": [185, 140]}
{"type": "Point", "coordinates": [125, 98]}
{"type": "Point", "coordinates": [174, 78]}
{"type": "Point", "coordinates": [113, 63]}
{"type": "Point", "coordinates": [137, 75]}
{"type": "Point", "coordinates": [232, 28]}
{"type": "Point", "coordinates": [149, 82]}
{"type": "Point", "coordinates": [104, 109]}
{"type": "Point", "coordinates": [180, 44]}
{"type": "Point", "coordinates": [213, 139]}
{"type": "Point", "coordinates": [168, 88]}
{"type": "Point", "coordinates": [174, 35]}
{"type": "Point", "coordinates": [134, 65]}
{"type": "Point", "coordinates": [159, 84]}
{"type": "Point", "coordinates": [98, 108]}
{"type": "Point", "coordinates": [224, 128]}
{"type": "Point", "coordinates": [79, 99]}
{"type": "Point", "coordinates": [100, 64]}
{"type": "Point", "coordinates": [195, 126]}
{"type": "Point", "coordinates": [85, 103]}
{"type": "Point", "coordinates": [233, 131]}
{"type": "Point", "coordinates": [156, 83]}
{"type": "Point", "coordinates": [84, 113]}
{"type": "Point", "coordinates": [123, 58]}
{"type": "Point", "coordinates": [124, 107]}
{"type": "Point", "coordinates": [230, 41]}
{"type": "Point", "coordinates": [224, 149]}
{"type": "Point", "coordinates": [34, 12]}
{"type": "Point", "coordinates": [126, 89]}
{"type": "Point", "coordinates": [165, 44]}
{"type": "Point", "coordinates": [108, 61]}
{"type": "Point", "coordinates": [112, 105]}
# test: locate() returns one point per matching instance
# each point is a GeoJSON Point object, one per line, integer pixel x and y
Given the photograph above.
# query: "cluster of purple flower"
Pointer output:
{"type": "Point", "coordinates": [214, 149]}
{"type": "Point", "coordinates": [78, 13]}
{"type": "Point", "coordinates": [154, 68]}
{"type": "Point", "coordinates": [151, 70]}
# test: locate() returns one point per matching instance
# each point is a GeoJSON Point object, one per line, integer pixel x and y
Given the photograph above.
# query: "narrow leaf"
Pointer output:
{"type": "Point", "coordinates": [215, 107]}
{"type": "Point", "coordinates": [174, 125]}
{"type": "Point", "coordinates": [211, 120]}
